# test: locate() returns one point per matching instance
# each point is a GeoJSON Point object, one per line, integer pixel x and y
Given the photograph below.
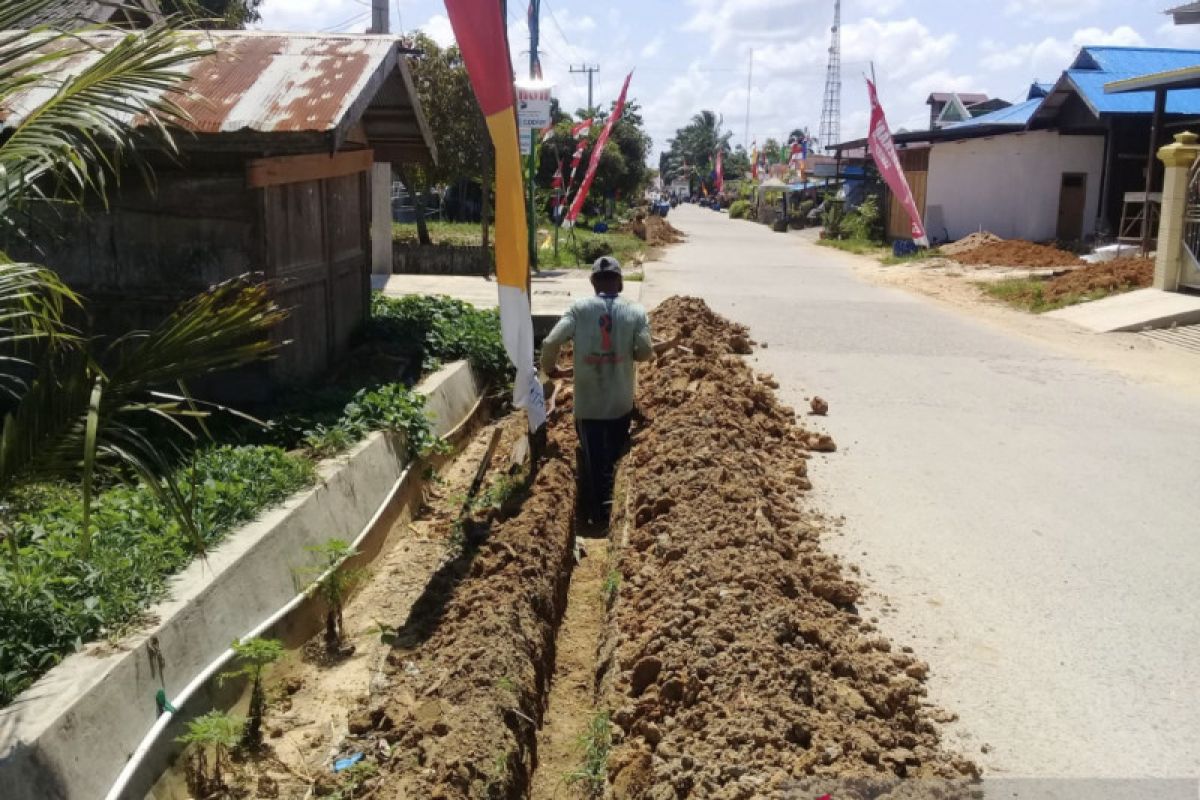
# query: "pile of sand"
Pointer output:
{"type": "Point", "coordinates": [968, 243]}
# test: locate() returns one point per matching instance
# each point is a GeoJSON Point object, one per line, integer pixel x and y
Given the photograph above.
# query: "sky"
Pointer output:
{"type": "Point", "coordinates": [690, 55]}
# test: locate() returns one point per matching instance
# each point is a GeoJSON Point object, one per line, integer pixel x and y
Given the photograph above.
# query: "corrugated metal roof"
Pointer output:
{"type": "Point", "coordinates": [261, 82]}
{"type": "Point", "coordinates": [1015, 116]}
{"type": "Point", "coordinates": [968, 98]}
{"type": "Point", "coordinates": [1096, 66]}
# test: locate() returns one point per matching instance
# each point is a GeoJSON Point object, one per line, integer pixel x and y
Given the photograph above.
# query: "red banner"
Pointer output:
{"type": "Point", "coordinates": [597, 151]}
{"type": "Point", "coordinates": [883, 151]}
{"type": "Point", "coordinates": [719, 183]}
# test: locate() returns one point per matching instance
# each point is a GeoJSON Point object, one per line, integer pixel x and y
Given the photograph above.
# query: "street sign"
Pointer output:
{"type": "Point", "coordinates": [533, 105]}
{"type": "Point", "coordinates": [526, 138]}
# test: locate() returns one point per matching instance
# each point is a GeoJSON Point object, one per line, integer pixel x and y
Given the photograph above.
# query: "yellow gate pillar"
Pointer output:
{"type": "Point", "coordinates": [1178, 158]}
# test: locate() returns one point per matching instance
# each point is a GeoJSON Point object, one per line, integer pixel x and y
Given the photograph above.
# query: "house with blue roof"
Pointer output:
{"type": "Point", "coordinates": [1061, 164]}
{"type": "Point", "coordinates": [1079, 104]}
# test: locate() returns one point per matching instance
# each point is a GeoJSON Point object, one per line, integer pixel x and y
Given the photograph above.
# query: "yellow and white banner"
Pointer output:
{"type": "Point", "coordinates": [482, 38]}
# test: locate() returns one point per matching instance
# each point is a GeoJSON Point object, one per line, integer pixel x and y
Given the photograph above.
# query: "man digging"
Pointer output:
{"type": "Point", "coordinates": [610, 334]}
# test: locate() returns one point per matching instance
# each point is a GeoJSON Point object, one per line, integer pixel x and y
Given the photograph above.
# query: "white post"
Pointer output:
{"type": "Point", "coordinates": [1178, 158]}
{"type": "Point", "coordinates": [381, 219]}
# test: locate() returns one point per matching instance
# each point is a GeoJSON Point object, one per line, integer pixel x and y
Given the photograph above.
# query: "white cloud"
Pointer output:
{"type": "Point", "coordinates": [652, 47]}
{"type": "Point", "coordinates": [439, 29]}
{"type": "Point", "coordinates": [727, 21]}
{"type": "Point", "coordinates": [314, 15]}
{"type": "Point", "coordinates": [1052, 10]}
{"type": "Point", "coordinates": [1171, 35]}
{"type": "Point", "coordinates": [1045, 60]}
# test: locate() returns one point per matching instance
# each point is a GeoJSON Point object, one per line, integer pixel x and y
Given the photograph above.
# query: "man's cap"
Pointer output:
{"type": "Point", "coordinates": [606, 264]}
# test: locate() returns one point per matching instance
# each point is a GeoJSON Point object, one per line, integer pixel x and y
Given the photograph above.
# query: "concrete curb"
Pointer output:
{"type": "Point", "coordinates": [71, 733]}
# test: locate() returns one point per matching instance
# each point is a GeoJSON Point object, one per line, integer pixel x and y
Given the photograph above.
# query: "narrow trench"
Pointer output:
{"type": "Point", "coordinates": [571, 704]}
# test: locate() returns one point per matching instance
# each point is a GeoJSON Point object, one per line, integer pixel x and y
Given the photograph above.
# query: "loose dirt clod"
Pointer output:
{"type": "Point", "coordinates": [736, 665]}
{"type": "Point", "coordinates": [819, 406]}
{"type": "Point", "coordinates": [1017, 253]}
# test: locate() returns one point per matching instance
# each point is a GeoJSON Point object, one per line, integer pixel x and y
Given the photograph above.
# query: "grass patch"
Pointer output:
{"type": "Point", "coordinates": [588, 246]}
{"type": "Point", "coordinates": [860, 247]}
{"type": "Point", "coordinates": [459, 234]}
{"type": "Point", "coordinates": [891, 259]}
{"type": "Point", "coordinates": [623, 246]}
{"type": "Point", "coordinates": [1029, 294]}
{"type": "Point", "coordinates": [595, 743]}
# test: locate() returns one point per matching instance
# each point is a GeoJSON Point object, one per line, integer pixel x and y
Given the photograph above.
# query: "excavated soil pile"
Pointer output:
{"type": "Point", "coordinates": [736, 664]}
{"type": "Point", "coordinates": [659, 232]}
{"type": "Point", "coordinates": [654, 230]}
{"type": "Point", "coordinates": [968, 243]}
{"type": "Point", "coordinates": [1017, 253]}
{"type": "Point", "coordinates": [1119, 275]}
{"type": "Point", "coordinates": [463, 691]}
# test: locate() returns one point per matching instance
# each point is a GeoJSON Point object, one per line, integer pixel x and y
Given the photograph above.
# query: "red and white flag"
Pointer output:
{"type": "Point", "coordinates": [883, 151]}
{"type": "Point", "coordinates": [597, 151]}
{"type": "Point", "coordinates": [556, 190]}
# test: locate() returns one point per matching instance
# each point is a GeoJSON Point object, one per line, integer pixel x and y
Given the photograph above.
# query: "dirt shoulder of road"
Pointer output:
{"type": "Point", "coordinates": [1132, 354]}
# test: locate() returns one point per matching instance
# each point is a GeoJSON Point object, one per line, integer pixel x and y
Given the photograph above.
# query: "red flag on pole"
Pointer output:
{"type": "Point", "coordinates": [883, 151]}
{"type": "Point", "coordinates": [581, 195]}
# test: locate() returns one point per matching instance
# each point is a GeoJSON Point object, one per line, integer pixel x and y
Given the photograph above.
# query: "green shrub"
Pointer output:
{"type": "Point", "coordinates": [434, 330]}
{"type": "Point", "coordinates": [592, 249]}
{"type": "Point", "coordinates": [865, 223]}
{"type": "Point", "coordinates": [740, 209]}
{"type": "Point", "coordinates": [54, 601]}
{"type": "Point", "coordinates": [833, 217]}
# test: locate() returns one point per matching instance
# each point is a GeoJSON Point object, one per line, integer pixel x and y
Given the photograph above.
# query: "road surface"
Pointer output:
{"type": "Point", "coordinates": [1032, 519]}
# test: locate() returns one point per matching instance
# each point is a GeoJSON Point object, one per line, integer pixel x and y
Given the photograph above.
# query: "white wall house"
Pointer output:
{"type": "Point", "coordinates": [1023, 185]}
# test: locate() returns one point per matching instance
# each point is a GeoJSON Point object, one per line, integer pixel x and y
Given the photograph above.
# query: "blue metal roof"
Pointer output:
{"type": "Point", "coordinates": [1015, 116]}
{"type": "Point", "coordinates": [1096, 66]}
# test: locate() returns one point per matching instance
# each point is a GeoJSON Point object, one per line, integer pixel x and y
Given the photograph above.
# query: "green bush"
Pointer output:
{"type": "Point", "coordinates": [435, 330]}
{"type": "Point", "coordinates": [390, 407]}
{"type": "Point", "coordinates": [592, 249]}
{"type": "Point", "coordinates": [833, 217]}
{"type": "Point", "coordinates": [865, 223]}
{"type": "Point", "coordinates": [740, 209]}
{"type": "Point", "coordinates": [54, 602]}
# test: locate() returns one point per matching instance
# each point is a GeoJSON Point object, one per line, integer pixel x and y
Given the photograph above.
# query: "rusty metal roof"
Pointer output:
{"type": "Point", "coordinates": [272, 83]}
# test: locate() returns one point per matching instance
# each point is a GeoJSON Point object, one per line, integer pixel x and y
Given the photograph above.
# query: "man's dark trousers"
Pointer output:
{"type": "Point", "coordinates": [602, 442]}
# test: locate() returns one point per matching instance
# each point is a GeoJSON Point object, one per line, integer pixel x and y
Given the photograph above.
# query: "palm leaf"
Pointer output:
{"type": "Point", "coordinates": [100, 89]}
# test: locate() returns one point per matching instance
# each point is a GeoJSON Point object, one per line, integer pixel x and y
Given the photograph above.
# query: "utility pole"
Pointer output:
{"type": "Point", "coordinates": [379, 16]}
{"type": "Point", "coordinates": [590, 70]}
{"type": "Point", "coordinates": [535, 72]}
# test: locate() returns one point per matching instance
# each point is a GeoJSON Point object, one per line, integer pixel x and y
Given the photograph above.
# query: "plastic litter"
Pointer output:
{"type": "Point", "coordinates": [346, 763]}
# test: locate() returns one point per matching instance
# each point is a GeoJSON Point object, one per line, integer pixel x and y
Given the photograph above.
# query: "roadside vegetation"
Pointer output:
{"type": "Point", "coordinates": [577, 250]}
{"type": "Point", "coordinates": [54, 597]}
{"type": "Point", "coordinates": [1083, 285]}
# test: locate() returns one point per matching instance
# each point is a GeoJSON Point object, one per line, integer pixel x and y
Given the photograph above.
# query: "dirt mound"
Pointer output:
{"type": "Point", "coordinates": [654, 230]}
{"type": "Point", "coordinates": [969, 243]}
{"type": "Point", "coordinates": [1113, 276]}
{"type": "Point", "coordinates": [1017, 253]}
{"type": "Point", "coordinates": [464, 689]}
{"type": "Point", "coordinates": [736, 665]}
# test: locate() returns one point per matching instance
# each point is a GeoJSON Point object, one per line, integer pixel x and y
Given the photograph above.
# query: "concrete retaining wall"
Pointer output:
{"type": "Point", "coordinates": [69, 735]}
{"type": "Point", "coordinates": [415, 259]}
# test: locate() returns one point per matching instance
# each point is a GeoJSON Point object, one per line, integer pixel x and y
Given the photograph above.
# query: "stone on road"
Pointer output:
{"type": "Point", "coordinates": [1032, 520]}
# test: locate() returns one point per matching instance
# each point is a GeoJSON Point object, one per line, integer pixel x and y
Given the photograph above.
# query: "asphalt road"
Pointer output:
{"type": "Point", "coordinates": [1032, 520]}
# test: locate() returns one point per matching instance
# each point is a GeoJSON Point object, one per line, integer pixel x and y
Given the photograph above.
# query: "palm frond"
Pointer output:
{"type": "Point", "coordinates": [91, 93]}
